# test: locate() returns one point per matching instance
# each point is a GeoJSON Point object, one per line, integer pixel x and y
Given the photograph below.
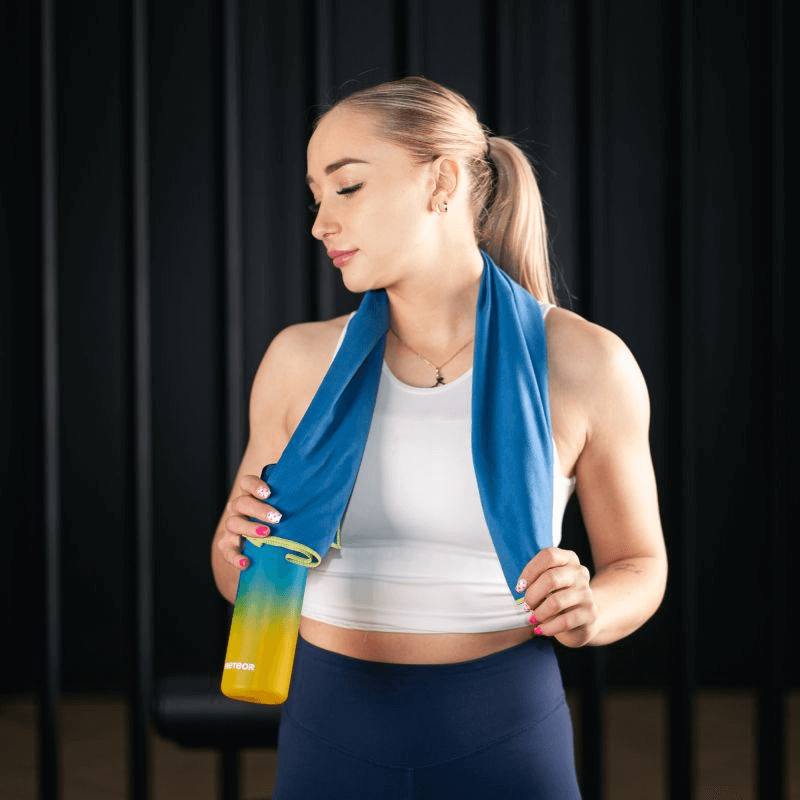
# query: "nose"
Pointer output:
{"type": "Point", "coordinates": [324, 224]}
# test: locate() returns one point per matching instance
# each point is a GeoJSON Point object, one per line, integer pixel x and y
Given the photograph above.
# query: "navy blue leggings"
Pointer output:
{"type": "Point", "coordinates": [496, 727]}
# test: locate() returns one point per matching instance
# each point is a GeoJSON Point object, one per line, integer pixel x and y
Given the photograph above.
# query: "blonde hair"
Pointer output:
{"type": "Point", "coordinates": [431, 121]}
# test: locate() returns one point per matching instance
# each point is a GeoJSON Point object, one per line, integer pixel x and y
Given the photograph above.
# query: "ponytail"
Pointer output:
{"type": "Point", "coordinates": [512, 229]}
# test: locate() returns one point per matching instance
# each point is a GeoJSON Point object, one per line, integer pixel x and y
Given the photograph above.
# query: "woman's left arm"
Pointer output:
{"type": "Point", "coordinates": [616, 488]}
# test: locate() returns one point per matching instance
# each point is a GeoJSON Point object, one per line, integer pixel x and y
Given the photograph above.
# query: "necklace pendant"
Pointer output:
{"type": "Point", "coordinates": [439, 380]}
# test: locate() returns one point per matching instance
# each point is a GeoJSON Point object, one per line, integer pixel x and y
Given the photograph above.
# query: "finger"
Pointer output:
{"type": "Point", "coordinates": [552, 580]}
{"type": "Point", "coordinates": [241, 526]}
{"type": "Point", "coordinates": [558, 603]}
{"type": "Point", "coordinates": [248, 506]}
{"type": "Point", "coordinates": [230, 545]}
{"type": "Point", "coordinates": [253, 485]}
{"type": "Point", "coordinates": [579, 617]}
{"type": "Point", "coordinates": [544, 560]}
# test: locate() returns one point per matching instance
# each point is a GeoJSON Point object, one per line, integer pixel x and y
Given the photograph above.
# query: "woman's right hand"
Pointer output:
{"type": "Point", "coordinates": [238, 522]}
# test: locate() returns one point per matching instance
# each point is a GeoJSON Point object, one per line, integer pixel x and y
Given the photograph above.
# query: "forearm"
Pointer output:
{"type": "Point", "coordinates": [626, 594]}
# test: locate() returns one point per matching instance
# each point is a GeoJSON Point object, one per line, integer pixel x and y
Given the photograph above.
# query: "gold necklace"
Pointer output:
{"type": "Point", "coordinates": [439, 378]}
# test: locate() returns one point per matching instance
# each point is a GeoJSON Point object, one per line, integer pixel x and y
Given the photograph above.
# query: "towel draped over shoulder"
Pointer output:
{"type": "Point", "coordinates": [512, 445]}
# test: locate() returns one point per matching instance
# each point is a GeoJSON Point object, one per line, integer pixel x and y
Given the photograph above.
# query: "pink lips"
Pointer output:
{"type": "Point", "coordinates": [341, 257]}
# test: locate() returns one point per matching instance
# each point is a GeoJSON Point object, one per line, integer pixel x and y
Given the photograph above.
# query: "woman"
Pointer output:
{"type": "Point", "coordinates": [418, 676]}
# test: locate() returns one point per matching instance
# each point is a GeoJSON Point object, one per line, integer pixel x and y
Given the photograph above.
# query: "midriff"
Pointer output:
{"type": "Point", "coordinates": [409, 648]}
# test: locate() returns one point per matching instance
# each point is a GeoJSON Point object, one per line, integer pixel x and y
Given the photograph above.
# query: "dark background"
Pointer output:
{"type": "Point", "coordinates": [656, 129]}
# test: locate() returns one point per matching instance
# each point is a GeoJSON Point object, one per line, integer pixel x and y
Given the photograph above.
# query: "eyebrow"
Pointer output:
{"type": "Point", "coordinates": [342, 162]}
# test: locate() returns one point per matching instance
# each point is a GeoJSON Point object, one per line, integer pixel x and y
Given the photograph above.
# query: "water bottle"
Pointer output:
{"type": "Point", "coordinates": [266, 620]}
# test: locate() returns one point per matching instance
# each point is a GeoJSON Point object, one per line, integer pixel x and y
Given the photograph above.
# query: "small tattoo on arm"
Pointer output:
{"type": "Point", "coordinates": [626, 566]}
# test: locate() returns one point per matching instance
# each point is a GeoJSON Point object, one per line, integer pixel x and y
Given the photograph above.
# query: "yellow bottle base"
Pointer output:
{"type": "Point", "coordinates": [254, 695]}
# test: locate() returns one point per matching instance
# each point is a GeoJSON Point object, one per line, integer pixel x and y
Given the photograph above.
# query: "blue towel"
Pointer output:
{"type": "Point", "coordinates": [512, 446]}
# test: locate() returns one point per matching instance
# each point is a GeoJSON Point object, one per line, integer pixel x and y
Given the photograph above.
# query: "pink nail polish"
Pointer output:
{"type": "Point", "coordinates": [263, 492]}
{"type": "Point", "coordinates": [262, 530]}
{"type": "Point", "coordinates": [532, 619]}
{"type": "Point", "coordinates": [274, 517]}
{"type": "Point", "coordinates": [538, 631]}
{"type": "Point", "coordinates": [526, 606]}
{"type": "Point", "coordinates": [242, 562]}
{"type": "Point", "coordinates": [522, 585]}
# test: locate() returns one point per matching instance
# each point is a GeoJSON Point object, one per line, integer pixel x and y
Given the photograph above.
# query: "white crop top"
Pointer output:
{"type": "Point", "coordinates": [416, 554]}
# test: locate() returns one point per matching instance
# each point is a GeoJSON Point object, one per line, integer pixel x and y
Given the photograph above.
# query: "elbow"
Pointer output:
{"type": "Point", "coordinates": [661, 570]}
{"type": "Point", "coordinates": [655, 569]}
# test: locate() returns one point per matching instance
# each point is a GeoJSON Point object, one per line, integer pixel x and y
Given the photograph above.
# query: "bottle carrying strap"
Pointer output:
{"type": "Point", "coordinates": [303, 555]}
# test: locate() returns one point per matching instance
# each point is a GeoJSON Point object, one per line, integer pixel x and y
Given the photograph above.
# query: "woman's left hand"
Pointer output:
{"type": "Point", "coordinates": [559, 596]}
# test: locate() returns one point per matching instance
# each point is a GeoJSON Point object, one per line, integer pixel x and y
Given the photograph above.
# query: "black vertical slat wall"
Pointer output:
{"type": "Point", "coordinates": [683, 557]}
{"type": "Point", "coordinates": [140, 585]}
{"type": "Point", "coordinates": [773, 728]}
{"type": "Point", "coordinates": [164, 241]}
{"type": "Point", "coordinates": [49, 760]}
{"type": "Point", "coordinates": [235, 406]}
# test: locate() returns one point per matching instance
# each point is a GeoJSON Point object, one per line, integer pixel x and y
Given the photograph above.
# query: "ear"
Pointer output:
{"type": "Point", "coordinates": [446, 175]}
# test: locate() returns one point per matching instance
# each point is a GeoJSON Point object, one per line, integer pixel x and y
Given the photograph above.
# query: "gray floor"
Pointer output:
{"type": "Point", "coordinates": [94, 757]}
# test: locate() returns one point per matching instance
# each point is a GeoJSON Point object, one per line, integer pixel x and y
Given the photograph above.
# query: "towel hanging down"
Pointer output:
{"type": "Point", "coordinates": [512, 447]}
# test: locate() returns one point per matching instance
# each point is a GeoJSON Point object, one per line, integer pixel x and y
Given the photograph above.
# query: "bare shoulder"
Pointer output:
{"type": "Point", "coordinates": [592, 366]}
{"type": "Point", "coordinates": [293, 368]}
{"type": "Point", "coordinates": [301, 348]}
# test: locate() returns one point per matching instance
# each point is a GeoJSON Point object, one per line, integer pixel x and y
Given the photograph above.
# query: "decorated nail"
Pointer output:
{"type": "Point", "coordinates": [538, 631]}
{"type": "Point", "coordinates": [274, 517]}
{"type": "Point", "coordinates": [262, 530]}
{"type": "Point", "coordinates": [522, 585]}
{"type": "Point", "coordinates": [526, 606]}
{"type": "Point", "coordinates": [242, 562]}
{"type": "Point", "coordinates": [263, 492]}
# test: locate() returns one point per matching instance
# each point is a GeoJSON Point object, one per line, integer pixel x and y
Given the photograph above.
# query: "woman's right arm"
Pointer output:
{"type": "Point", "coordinates": [269, 403]}
{"type": "Point", "coordinates": [285, 382]}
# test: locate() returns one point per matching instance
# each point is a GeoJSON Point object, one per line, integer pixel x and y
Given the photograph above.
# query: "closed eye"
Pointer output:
{"type": "Point", "coordinates": [350, 189]}
{"type": "Point", "coordinates": [314, 207]}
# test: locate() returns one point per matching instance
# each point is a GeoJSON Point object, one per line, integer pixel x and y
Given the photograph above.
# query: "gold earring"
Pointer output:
{"type": "Point", "coordinates": [445, 205]}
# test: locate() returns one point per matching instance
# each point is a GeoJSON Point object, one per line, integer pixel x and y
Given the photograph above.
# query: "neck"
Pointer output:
{"type": "Point", "coordinates": [435, 308]}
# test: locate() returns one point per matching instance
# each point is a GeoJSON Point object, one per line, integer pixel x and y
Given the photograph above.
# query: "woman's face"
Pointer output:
{"type": "Point", "coordinates": [374, 202]}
